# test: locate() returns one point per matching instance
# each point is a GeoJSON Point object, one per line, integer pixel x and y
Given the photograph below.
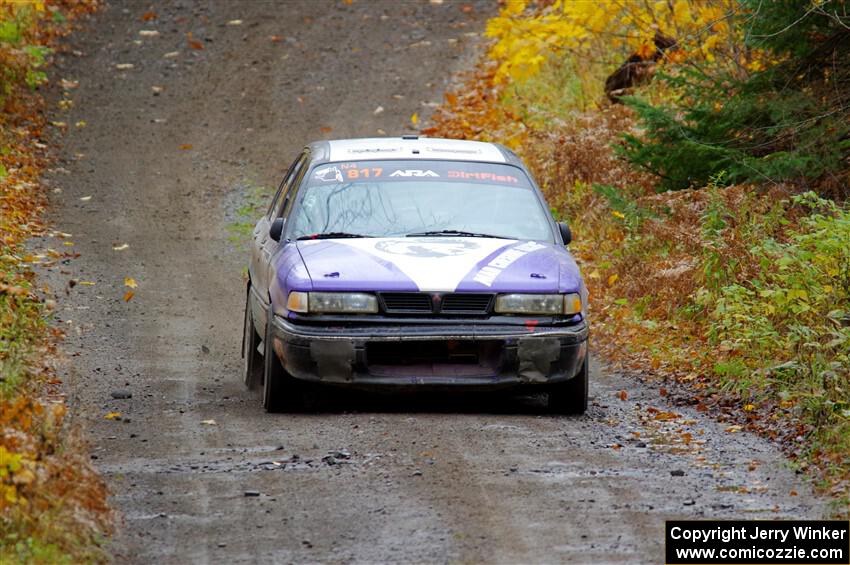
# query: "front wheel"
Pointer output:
{"type": "Point", "coordinates": [570, 397]}
{"type": "Point", "coordinates": [281, 392]}
{"type": "Point", "coordinates": [252, 359]}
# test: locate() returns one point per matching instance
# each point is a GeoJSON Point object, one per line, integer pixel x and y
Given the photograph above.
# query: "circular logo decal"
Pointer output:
{"type": "Point", "coordinates": [433, 248]}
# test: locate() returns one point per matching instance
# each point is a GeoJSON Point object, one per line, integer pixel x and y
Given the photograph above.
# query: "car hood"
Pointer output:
{"type": "Point", "coordinates": [438, 264]}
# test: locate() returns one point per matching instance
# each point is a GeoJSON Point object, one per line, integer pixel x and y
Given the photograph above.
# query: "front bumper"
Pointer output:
{"type": "Point", "coordinates": [465, 355]}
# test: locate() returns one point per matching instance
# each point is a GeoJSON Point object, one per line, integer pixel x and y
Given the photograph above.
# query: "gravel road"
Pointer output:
{"type": "Point", "coordinates": [198, 472]}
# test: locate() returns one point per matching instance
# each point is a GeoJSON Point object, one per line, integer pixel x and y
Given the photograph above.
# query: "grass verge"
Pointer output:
{"type": "Point", "coordinates": [52, 503]}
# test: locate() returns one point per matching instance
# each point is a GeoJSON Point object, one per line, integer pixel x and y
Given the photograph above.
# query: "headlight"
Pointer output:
{"type": "Point", "coordinates": [298, 302]}
{"type": "Point", "coordinates": [545, 304]}
{"type": "Point", "coordinates": [572, 304]}
{"type": "Point", "coordinates": [332, 302]}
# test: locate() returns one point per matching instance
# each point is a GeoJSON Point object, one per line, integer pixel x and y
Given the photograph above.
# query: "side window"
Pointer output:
{"type": "Point", "coordinates": [292, 192]}
{"type": "Point", "coordinates": [285, 185]}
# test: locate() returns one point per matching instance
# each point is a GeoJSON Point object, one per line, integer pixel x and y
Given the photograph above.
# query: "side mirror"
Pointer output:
{"type": "Point", "coordinates": [566, 234]}
{"type": "Point", "coordinates": [276, 229]}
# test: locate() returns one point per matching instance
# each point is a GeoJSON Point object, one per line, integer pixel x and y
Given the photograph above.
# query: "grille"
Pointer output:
{"type": "Point", "coordinates": [466, 303]}
{"type": "Point", "coordinates": [406, 302]}
{"type": "Point", "coordinates": [424, 303]}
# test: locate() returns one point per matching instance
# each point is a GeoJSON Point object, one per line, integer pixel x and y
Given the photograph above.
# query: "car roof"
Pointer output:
{"type": "Point", "coordinates": [410, 147]}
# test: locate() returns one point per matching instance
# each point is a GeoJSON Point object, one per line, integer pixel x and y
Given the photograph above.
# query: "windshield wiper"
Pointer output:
{"type": "Point", "coordinates": [331, 235]}
{"type": "Point", "coordinates": [453, 233]}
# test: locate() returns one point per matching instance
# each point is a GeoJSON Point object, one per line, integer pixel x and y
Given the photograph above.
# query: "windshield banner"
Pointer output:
{"type": "Point", "coordinates": [445, 171]}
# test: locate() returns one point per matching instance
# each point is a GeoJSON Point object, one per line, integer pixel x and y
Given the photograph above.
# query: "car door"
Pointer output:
{"type": "Point", "coordinates": [263, 247]}
{"type": "Point", "coordinates": [258, 266]}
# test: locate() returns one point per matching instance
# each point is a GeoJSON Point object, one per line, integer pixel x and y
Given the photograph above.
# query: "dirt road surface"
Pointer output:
{"type": "Point", "coordinates": [199, 473]}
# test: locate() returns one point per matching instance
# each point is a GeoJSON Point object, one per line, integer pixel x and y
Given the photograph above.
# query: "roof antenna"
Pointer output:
{"type": "Point", "coordinates": [410, 136]}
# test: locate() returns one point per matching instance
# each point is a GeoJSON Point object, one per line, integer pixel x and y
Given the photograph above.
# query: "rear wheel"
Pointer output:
{"type": "Point", "coordinates": [252, 359]}
{"type": "Point", "coordinates": [570, 397]}
{"type": "Point", "coordinates": [281, 391]}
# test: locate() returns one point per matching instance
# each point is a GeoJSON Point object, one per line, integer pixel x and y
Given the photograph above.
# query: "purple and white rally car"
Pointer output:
{"type": "Point", "coordinates": [413, 263]}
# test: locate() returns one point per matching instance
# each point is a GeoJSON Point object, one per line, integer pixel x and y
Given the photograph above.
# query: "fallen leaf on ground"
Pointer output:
{"type": "Point", "coordinates": [13, 290]}
{"type": "Point", "coordinates": [414, 119]}
{"type": "Point", "coordinates": [149, 16]}
{"type": "Point", "coordinates": [81, 124]}
{"type": "Point", "coordinates": [193, 43]}
{"type": "Point", "coordinates": [734, 429]}
{"type": "Point", "coordinates": [326, 129]}
{"type": "Point", "coordinates": [171, 54]}
{"type": "Point", "coordinates": [112, 415]}
{"type": "Point", "coordinates": [623, 395]}
{"type": "Point", "coordinates": [124, 66]}
{"type": "Point", "coordinates": [208, 422]}
{"type": "Point", "coordinates": [129, 295]}
{"type": "Point", "coordinates": [234, 23]}
{"type": "Point", "coordinates": [185, 147]}
{"type": "Point", "coordinates": [666, 416]}
{"type": "Point", "coordinates": [121, 247]}
{"type": "Point", "coordinates": [130, 281]}
{"type": "Point", "coordinates": [148, 32]}
{"type": "Point", "coordinates": [68, 84]}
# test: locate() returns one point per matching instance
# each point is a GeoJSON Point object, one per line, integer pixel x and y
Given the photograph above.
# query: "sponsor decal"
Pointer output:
{"type": "Point", "coordinates": [503, 260]}
{"type": "Point", "coordinates": [483, 176]}
{"type": "Point", "coordinates": [413, 173]}
{"type": "Point", "coordinates": [373, 150]}
{"type": "Point", "coordinates": [452, 150]}
{"type": "Point", "coordinates": [328, 174]}
{"type": "Point", "coordinates": [413, 248]}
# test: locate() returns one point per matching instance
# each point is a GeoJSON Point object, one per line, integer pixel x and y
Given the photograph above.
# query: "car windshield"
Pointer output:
{"type": "Point", "coordinates": [418, 198]}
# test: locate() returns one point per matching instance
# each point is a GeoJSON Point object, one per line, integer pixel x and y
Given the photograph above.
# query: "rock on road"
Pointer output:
{"type": "Point", "coordinates": [198, 472]}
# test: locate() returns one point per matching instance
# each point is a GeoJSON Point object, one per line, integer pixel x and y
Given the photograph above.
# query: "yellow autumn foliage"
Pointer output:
{"type": "Point", "coordinates": [15, 470]}
{"type": "Point", "coordinates": [606, 31]}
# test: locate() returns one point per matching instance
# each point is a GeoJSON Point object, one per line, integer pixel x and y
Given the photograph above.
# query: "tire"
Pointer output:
{"type": "Point", "coordinates": [281, 392]}
{"type": "Point", "coordinates": [570, 397]}
{"type": "Point", "coordinates": [252, 360]}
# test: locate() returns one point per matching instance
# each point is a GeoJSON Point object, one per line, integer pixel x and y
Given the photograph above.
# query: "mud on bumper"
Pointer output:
{"type": "Point", "coordinates": [473, 356]}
